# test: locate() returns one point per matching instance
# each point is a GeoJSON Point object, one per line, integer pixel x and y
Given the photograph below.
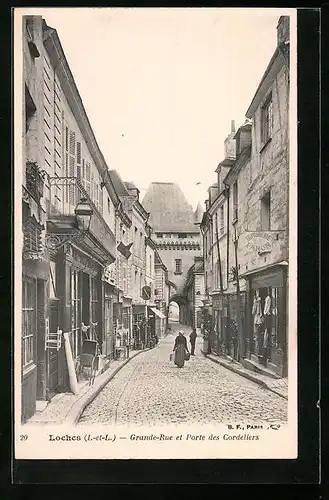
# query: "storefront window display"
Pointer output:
{"type": "Point", "coordinates": [266, 335]}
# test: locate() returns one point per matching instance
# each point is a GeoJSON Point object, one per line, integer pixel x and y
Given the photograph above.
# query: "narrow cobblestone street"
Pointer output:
{"type": "Point", "coordinates": [151, 390]}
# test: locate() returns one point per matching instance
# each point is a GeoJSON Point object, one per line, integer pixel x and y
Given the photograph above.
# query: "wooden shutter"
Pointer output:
{"type": "Point", "coordinates": [79, 160]}
{"type": "Point", "coordinates": [88, 178]}
{"type": "Point", "coordinates": [72, 167]}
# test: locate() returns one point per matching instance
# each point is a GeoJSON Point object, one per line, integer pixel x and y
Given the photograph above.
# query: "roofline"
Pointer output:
{"type": "Point", "coordinates": [255, 100]}
{"type": "Point", "coordinates": [150, 242]}
{"type": "Point", "coordinates": [222, 163]}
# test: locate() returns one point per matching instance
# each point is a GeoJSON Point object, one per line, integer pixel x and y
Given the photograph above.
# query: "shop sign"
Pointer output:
{"type": "Point", "coordinates": [258, 242]}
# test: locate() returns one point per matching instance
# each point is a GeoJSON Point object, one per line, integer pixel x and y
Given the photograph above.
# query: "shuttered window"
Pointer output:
{"type": "Point", "coordinates": [79, 160]}
{"type": "Point", "coordinates": [87, 178]}
{"type": "Point", "coordinates": [72, 143]}
{"type": "Point", "coordinates": [72, 200]}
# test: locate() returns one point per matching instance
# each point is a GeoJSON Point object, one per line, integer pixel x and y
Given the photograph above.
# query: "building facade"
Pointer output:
{"type": "Point", "coordinates": [64, 185]}
{"type": "Point", "coordinates": [251, 204]}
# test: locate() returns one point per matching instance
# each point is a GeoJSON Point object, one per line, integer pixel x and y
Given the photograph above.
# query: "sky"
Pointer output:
{"type": "Point", "coordinates": [161, 86]}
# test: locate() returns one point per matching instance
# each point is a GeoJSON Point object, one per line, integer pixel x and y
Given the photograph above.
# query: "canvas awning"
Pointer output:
{"type": "Point", "coordinates": [158, 313]}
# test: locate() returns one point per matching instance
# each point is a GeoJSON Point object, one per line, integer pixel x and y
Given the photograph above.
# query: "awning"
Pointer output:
{"type": "Point", "coordinates": [262, 269]}
{"type": "Point", "coordinates": [158, 313]}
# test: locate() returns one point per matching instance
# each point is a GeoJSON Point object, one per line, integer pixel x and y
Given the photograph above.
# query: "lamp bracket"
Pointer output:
{"type": "Point", "coordinates": [55, 241]}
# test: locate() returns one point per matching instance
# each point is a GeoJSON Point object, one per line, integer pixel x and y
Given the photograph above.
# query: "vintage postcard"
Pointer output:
{"type": "Point", "coordinates": [155, 233]}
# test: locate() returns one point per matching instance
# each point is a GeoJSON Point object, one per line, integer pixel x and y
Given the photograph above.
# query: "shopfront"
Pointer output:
{"type": "Point", "coordinates": [33, 327]}
{"type": "Point", "coordinates": [76, 307]}
{"type": "Point", "coordinates": [139, 326]}
{"type": "Point", "coordinates": [267, 325]}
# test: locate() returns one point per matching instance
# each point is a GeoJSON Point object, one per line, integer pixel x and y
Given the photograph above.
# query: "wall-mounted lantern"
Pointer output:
{"type": "Point", "coordinates": [83, 213]}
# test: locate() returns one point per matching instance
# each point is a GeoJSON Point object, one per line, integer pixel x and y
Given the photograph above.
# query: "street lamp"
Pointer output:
{"type": "Point", "coordinates": [83, 213]}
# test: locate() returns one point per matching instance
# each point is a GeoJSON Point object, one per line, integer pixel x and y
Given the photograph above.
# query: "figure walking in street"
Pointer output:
{"type": "Point", "coordinates": [193, 336]}
{"type": "Point", "coordinates": [180, 349]}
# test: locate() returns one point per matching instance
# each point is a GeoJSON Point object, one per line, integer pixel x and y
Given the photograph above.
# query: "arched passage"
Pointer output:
{"type": "Point", "coordinates": [178, 309]}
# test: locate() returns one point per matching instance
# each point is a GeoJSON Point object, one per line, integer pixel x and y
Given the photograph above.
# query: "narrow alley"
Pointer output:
{"type": "Point", "coordinates": [151, 390]}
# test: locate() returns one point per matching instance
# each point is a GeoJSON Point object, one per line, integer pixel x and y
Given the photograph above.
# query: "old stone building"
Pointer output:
{"type": "Point", "coordinates": [215, 230]}
{"type": "Point", "coordinates": [175, 233]}
{"type": "Point", "coordinates": [69, 232]}
{"type": "Point", "coordinates": [252, 195]}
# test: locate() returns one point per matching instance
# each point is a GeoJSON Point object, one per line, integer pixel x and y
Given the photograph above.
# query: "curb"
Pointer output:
{"type": "Point", "coordinates": [246, 375]}
{"type": "Point", "coordinates": [78, 407]}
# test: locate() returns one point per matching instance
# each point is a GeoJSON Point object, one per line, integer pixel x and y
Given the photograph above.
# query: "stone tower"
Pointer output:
{"type": "Point", "coordinates": [175, 230]}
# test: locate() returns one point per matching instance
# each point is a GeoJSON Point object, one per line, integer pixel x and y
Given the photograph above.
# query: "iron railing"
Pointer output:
{"type": "Point", "coordinates": [65, 194]}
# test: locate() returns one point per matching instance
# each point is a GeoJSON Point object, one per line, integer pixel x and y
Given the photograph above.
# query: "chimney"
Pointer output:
{"type": "Point", "coordinates": [283, 30]}
{"type": "Point", "coordinates": [229, 143]}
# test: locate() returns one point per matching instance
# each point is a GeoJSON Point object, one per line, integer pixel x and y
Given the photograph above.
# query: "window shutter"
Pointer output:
{"type": "Point", "coordinates": [88, 178]}
{"type": "Point", "coordinates": [72, 164]}
{"type": "Point", "coordinates": [71, 186]}
{"type": "Point", "coordinates": [79, 160]}
{"type": "Point", "coordinates": [83, 173]}
{"type": "Point", "coordinates": [72, 143]}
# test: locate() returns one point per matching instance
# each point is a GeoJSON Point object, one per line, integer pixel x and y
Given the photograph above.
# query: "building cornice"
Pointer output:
{"type": "Point", "coordinates": [141, 210]}
{"type": "Point", "coordinates": [217, 202]}
{"type": "Point", "coordinates": [177, 245]}
{"type": "Point", "coordinates": [123, 216]}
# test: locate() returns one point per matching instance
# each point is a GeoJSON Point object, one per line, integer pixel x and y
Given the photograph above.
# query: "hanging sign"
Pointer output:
{"type": "Point", "coordinates": [258, 242]}
{"type": "Point", "coordinates": [146, 292]}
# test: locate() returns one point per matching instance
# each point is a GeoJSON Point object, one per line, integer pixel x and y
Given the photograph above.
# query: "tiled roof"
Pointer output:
{"type": "Point", "coordinates": [169, 210]}
{"type": "Point", "coordinates": [118, 184]}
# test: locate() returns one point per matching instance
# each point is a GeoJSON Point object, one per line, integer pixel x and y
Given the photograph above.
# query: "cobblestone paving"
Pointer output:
{"type": "Point", "coordinates": [151, 390]}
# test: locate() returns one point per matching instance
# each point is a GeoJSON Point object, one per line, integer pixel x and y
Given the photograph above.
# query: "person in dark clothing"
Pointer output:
{"type": "Point", "coordinates": [193, 336]}
{"type": "Point", "coordinates": [180, 348]}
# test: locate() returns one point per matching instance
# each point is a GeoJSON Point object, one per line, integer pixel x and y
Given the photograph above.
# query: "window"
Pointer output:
{"type": "Point", "coordinates": [79, 160]}
{"type": "Point", "coordinates": [88, 178]}
{"type": "Point", "coordinates": [267, 120]}
{"type": "Point", "coordinates": [108, 205]}
{"type": "Point", "coordinates": [235, 201]}
{"type": "Point", "coordinates": [182, 235]}
{"type": "Point", "coordinates": [28, 321]}
{"type": "Point", "coordinates": [178, 266]}
{"type": "Point", "coordinates": [72, 142]}
{"type": "Point", "coordinates": [221, 220]}
{"type": "Point", "coordinates": [159, 235]}
{"type": "Point", "coordinates": [265, 212]}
